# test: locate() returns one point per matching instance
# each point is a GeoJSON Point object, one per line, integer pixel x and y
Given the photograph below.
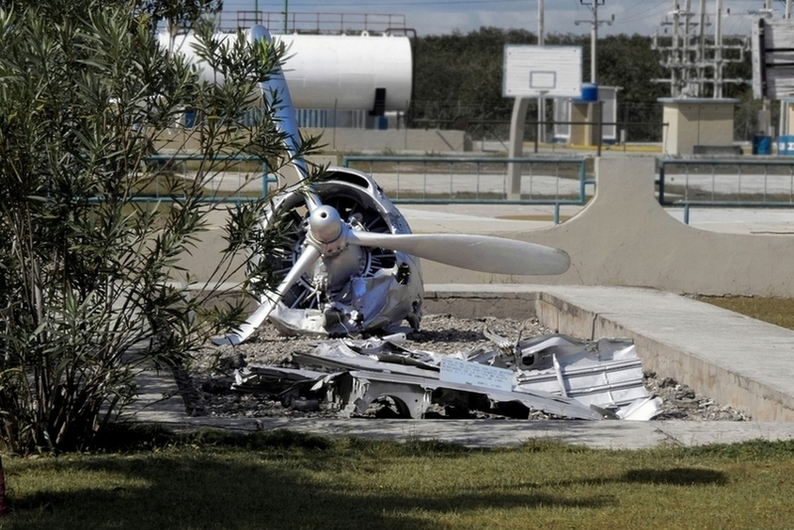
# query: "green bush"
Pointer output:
{"type": "Point", "coordinates": [90, 286]}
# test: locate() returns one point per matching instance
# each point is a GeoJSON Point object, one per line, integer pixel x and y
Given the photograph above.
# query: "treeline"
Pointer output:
{"type": "Point", "coordinates": [458, 81]}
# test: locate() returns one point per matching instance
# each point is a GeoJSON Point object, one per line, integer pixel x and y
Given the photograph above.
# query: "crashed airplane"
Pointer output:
{"type": "Point", "coordinates": [555, 374]}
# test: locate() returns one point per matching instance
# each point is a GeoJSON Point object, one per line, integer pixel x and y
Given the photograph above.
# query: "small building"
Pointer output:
{"type": "Point", "coordinates": [698, 126]}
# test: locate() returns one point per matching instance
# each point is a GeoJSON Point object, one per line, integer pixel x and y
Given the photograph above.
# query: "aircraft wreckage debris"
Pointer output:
{"type": "Point", "coordinates": [452, 368]}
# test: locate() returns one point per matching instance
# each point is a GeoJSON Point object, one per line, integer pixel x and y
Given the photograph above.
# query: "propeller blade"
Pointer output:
{"type": "Point", "coordinates": [307, 258]}
{"type": "Point", "coordinates": [475, 252]}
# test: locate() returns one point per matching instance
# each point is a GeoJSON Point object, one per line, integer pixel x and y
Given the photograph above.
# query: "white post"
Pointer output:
{"type": "Point", "coordinates": [516, 147]}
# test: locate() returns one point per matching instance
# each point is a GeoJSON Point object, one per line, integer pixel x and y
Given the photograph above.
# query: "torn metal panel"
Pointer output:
{"type": "Point", "coordinates": [641, 409]}
{"type": "Point", "coordinates": [616, 382]}
{"type": "Point", "coordinates": [273, 379]}
{"type": "Point", "coordinates": [354, 392]}
{"type": "Point", "coordinates": [567, 378]}
{"type": "Point", "coordinates": [389, 349]}
{"type": "Point", "coordinates": [337, 355]}
{"type": "Point", "coordinates": [476, 374]}
{"type": "Point", "coordinates": [603, 373]}
{"type": "Point", "coordinates": [415, 395]}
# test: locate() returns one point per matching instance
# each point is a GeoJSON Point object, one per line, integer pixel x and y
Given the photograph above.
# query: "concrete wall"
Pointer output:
{"type": "Point", "coordinates": [624, 238]}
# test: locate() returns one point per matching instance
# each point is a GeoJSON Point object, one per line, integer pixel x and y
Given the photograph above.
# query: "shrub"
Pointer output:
{"type": "Point", "coordinates": [90, 283]}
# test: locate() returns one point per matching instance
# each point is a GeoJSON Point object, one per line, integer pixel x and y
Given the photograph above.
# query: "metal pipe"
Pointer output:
{"type": "Point", "coordinates": [687, 75]}
{"type": "Point", "coordinates": [675, 87]}
{"type": "Point", "coordinates": [541, 100]}
{"type": "Point", "coordinates": [594, 40]}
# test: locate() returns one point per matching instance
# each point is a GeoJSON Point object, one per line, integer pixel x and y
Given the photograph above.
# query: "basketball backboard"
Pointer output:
{"type": "Point", "coordinates": [542, 71]}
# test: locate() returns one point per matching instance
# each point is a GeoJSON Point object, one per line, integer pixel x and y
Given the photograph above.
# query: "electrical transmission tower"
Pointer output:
{"type": "Point", "coordinates": [694, 58]}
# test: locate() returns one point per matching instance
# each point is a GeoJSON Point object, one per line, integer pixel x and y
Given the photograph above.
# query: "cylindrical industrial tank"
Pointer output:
{"type": "Point", "coordinates": [339, 71]}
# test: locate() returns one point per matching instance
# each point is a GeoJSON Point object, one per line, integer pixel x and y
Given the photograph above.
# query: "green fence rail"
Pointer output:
{"type": "Point", "coordinates": [232, 179]}
{"type": "Point", "coordinates": [726, 183]}
{"type": "Point", "coordinates": [472, 180]}
{"type": "Point", "coordinates": [405, 179]}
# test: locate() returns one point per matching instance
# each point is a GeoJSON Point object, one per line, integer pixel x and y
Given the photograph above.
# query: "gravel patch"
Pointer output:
{"type": "Point", "coordinates": [206, 382]}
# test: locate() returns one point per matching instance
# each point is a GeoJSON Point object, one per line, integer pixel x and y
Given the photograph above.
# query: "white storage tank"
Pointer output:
{"type": "Point", "coordinates": [344, 72]}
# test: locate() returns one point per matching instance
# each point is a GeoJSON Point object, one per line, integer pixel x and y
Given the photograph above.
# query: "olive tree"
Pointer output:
{"type": "Point", "coordinates": [90, 282]}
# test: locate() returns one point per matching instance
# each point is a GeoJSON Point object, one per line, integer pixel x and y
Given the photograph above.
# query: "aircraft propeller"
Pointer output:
{"type": "Point", "coordinates": [328, 235]}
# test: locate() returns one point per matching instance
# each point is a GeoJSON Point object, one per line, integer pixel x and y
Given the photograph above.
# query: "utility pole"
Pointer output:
{"type": "Point", "coordinates": [594, 23]}
{"type": "Point", "coordinates": [687, 40]}
{"type": "Point", "coordinates": [593, 42]}
{"type": "Point", "coordinates": [783, 123]}
{"type": "Point", "coordinates": [541, 100]}
{"type": "Point", "coordinates": [718, 52]}
{"type": "Point", "coordinates": [765, 119]}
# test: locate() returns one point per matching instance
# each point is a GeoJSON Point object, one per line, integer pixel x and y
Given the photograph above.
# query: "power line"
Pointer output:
{"type": "Point", "coordinates": [641, 16]}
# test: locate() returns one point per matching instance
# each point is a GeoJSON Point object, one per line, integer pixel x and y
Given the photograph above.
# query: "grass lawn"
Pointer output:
{"type": "Point", "coordinates": [281, 480]}
{"type": "Point", "coordinates": [778, 311]}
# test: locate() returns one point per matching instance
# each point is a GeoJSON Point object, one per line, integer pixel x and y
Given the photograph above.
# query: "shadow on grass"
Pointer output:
{"type": "Point", "coordinates": [680, 476]}
{"type": "Point", "coordinates": [262, 482]}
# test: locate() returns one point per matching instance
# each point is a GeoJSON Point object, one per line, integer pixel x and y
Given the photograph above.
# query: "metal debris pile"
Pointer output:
{"type": "Point", "coordinates": [555, 374]}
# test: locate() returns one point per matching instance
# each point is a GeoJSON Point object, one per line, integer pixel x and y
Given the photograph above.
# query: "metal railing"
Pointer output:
{"type": "Point", "coordinates": [312, 22]}
{"type": "Point", "coordinates": [482, 180]}
{"type": "Point", "coordinates": [553, 182]}
{"type": "Point", "coordinates": [726, 183]}
{"type": "Point", "coordinates": [227, 179]}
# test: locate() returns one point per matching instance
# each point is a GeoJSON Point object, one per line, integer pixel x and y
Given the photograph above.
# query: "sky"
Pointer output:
{"type": "Point", "coordinates": [441, 17]}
